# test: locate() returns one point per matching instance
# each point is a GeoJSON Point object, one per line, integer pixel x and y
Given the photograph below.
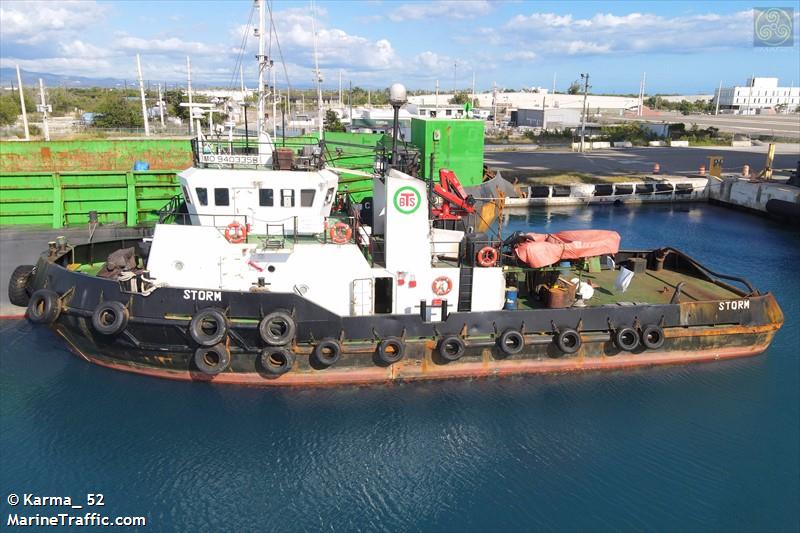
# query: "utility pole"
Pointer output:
{"type": "Point", "coordinates": [189, 90]}
{"type": "Point", "coordinates": [585, 78]}
{"type": "Point", "coordinates": [350, 102]}
{"type": "Point", "coordinates": [554, 83]}
{"type": "Point", "coordinates": [472, 99]}
{"type": "Point", "coordinates": [160, 105]}
{"type": "Point", "coordinates": [141, 92]}
{"type": "Point", "coordinates": [719, 96]}
{"type": "Point", "coordinates": [22, 106]}
{"type": "Point", "coordinates": [455, 70]}
{"type": "Point", "coordinates": [340, 89]}
{"type": "Point", "coordinates": [750, 92]}
{"type": "Point", "coordinates": [436, 100]}
{"type": "Point", "coordinates": [494, 104]}
{"type": "Point", "coordinates": [43, 109]}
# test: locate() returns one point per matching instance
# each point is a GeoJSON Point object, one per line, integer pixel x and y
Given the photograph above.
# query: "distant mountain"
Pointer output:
{"type": "Point", "coordinates": [8, 77]}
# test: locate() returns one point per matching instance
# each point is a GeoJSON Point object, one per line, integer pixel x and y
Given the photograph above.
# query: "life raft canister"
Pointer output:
{"type": "Point", "coordinates": [340, 233]}
{"type": "Point", "coordinates": [236, 233]}
{"type": "Point", "coordinates": [487, 256]}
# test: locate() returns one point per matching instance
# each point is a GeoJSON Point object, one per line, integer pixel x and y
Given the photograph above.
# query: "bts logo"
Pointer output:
{"type": "Point", "coordinates": [406, 200]}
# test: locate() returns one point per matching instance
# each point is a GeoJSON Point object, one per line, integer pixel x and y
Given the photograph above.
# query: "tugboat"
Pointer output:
{"type": "Point", "coordinates": [396, 293]}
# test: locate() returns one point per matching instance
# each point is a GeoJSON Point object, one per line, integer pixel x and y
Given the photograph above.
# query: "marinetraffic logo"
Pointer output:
{"type": "Point", "coordinates": [773, 26]}
{"type": "Point", "coordinates": [406, 200]}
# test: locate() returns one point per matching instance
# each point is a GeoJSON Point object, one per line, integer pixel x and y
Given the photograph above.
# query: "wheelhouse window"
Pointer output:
{"type": "Point", "coordinates": [186, 194]}
{"type": "Point", "coordinates": [307, 197]}
{"type": "Point", "coordinates": [265, 198]}
{"type": "Point", "coordinates": [287, 197]}
{"type": "Point", "coordinates": [329, 196]}
{"type": "Point", "coordinates": [202, 195]}
{"type": "Point", "coordinates": [221, 197]}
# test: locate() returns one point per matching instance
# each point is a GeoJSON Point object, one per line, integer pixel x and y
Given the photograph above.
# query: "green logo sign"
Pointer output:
{"type": "Point", "coordinates": [406, 200]}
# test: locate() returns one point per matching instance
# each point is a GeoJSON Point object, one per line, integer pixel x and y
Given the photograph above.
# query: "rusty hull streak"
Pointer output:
{"type": "Point", "coordinates": [426, 369]}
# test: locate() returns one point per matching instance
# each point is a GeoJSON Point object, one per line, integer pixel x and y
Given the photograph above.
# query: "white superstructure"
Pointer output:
{"type": "Point", "coordinates": [756, 95]}
{"type": "Point", "coordinates": [417, 263]}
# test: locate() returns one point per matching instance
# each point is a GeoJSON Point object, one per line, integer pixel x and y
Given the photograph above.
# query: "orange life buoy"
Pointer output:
{"type": "Point", "coordinates": [341, 233]}
{"type": "Point", "coordinates": [235, 233]}
{"type": "Point", "coordinates": [442, 285]}
{"type": "Point", "coordinates": [487, 257]}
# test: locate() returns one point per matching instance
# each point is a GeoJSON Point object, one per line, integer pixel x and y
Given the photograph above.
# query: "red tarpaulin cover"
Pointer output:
{"type": "Point", "coordinates": [546, 249]}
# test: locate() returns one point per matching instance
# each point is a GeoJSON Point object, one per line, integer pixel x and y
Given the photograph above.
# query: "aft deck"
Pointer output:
{"type": "Point", "coordinates": [649, 287]}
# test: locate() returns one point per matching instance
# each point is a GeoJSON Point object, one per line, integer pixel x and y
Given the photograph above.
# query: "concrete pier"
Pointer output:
{"type": "Point", "coordinates": [21, 245]}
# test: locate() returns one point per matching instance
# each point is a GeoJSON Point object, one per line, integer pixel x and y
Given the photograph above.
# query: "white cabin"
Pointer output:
{"type": "Point", "coordinates": [417, 264]}
{"type": "Point", "coordinates": [270, 201]}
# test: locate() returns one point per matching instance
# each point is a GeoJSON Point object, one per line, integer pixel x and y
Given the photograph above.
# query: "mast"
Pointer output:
{"type": "Point", "coordinates": [317, 75]}
{"type": "Point", "coordinates": [189, 90]}
{"type": "Point", "coordinates": [262, 63]}
{"type": "Point", "coordinates": [22, 106]}
{"type": "Point", "coordinates": [141, 93]}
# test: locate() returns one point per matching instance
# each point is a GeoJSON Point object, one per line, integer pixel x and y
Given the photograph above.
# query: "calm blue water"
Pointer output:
{"type": "Point", "coordinates": [704, 447]}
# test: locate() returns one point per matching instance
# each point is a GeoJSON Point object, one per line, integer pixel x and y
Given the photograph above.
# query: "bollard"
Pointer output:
{"type": "Point", "coordinates": [656, 168]}
{"type": "Point", "coordinates": [746, 171]}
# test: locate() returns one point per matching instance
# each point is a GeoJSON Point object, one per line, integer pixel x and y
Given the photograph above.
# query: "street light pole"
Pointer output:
{"type": "Point", "coordinates": [585, 78]}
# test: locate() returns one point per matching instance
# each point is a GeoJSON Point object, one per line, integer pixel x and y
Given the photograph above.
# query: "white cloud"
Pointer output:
{"type": "Point", "coordinates": [172, 45]}
{"type": "Point", "coordinates": [520, 55]}
{"type": "Point", "coordinates": [606, 33]}
{"type": "Point", "coordinates": [440, 10]}
{"type": "Point", "coordinates": [36, 21]}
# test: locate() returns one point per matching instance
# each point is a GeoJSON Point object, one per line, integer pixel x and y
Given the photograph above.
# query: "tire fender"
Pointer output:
{"type": "Point", "coordinates": [110, 318]}
{"type": "Point", "coordinates": [208, 318]}
{"type": "Point", "coordinates": [44, 307]}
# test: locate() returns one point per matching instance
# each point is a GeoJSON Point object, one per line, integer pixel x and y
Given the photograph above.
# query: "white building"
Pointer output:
{"type": "Point", "coordinates": [531, 100]}
{"type": "Point", "coordinates": [757, 95]}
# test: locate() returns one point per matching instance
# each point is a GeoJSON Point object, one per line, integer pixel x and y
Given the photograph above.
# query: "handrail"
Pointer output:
{"type": "Point", "coordinates": [707, 270]}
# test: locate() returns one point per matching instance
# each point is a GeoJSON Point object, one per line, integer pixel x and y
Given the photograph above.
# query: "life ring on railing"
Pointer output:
{"type": "Point", "coordinates": [341, 233]}
{"type": "Point", "coordinates": [487, 256]}
{"type": "Point", "coordinates": [235, 233]}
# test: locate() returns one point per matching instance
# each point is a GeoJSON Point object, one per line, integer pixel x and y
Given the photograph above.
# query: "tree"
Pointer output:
{"type": "Point", "coordinates": [460, 98]}
{"type": "Point", "coordinates": [117, 111]}
{"type": "Point", "coordinates": [332, 122]}
{"type": "Point", "coordinates": [9, 110]}
{"type": "Point", "coordinates": [574, 87]}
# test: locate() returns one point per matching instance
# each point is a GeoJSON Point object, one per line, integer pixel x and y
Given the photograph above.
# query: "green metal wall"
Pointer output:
{"type": "Point", "coordinates": [97, 154]}
{"type": "Point", "coordinates": [63, 198]}
{"type": "Point", "coordinates": [456, 144]}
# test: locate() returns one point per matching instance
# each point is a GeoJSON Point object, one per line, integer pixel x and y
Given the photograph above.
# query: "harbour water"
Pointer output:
{"type": "Point", "coordinates": [703, 447]}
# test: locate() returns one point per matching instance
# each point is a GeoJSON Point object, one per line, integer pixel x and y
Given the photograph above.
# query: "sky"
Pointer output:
{"type": "Point", "coordinates": [683, 47]}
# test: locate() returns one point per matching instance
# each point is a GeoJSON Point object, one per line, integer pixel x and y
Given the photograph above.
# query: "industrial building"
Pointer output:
{"type": "Point", "coordinates": [757, 96]}
{"type": "Point", "coordinates": [547, 119]}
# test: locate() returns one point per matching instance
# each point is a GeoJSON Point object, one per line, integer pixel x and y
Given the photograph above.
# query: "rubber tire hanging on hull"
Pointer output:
{"type": "Point", "coordinates": [211, 360]}
{"type": "Point", "coordinates": [276, 361]}
{"type": "Point", "coordinates": [653, 337]}
{"type": "Point", "coordinates": [110, 318]}
{"type": "Point", "coordinates": [198, 333]}
{"type": "Point", "coordinates": [277, 328]}
{"type": "Point", "coordinates": [568, 341]}
{"type": "Point", "coordinates": [390, 350]}
{"type": "Point", "coordinates": [451, 348]}
{"type": "Point", "coordinates": [44, 307]}
{"type": "Point", "coordinates": [626, 338]}
{"type": "Point", "coordinates": [327, 352]}
{"type": "Point", "coordinates": [511, 342]}
{"type": "Point", "coordinates": [18, 285]}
